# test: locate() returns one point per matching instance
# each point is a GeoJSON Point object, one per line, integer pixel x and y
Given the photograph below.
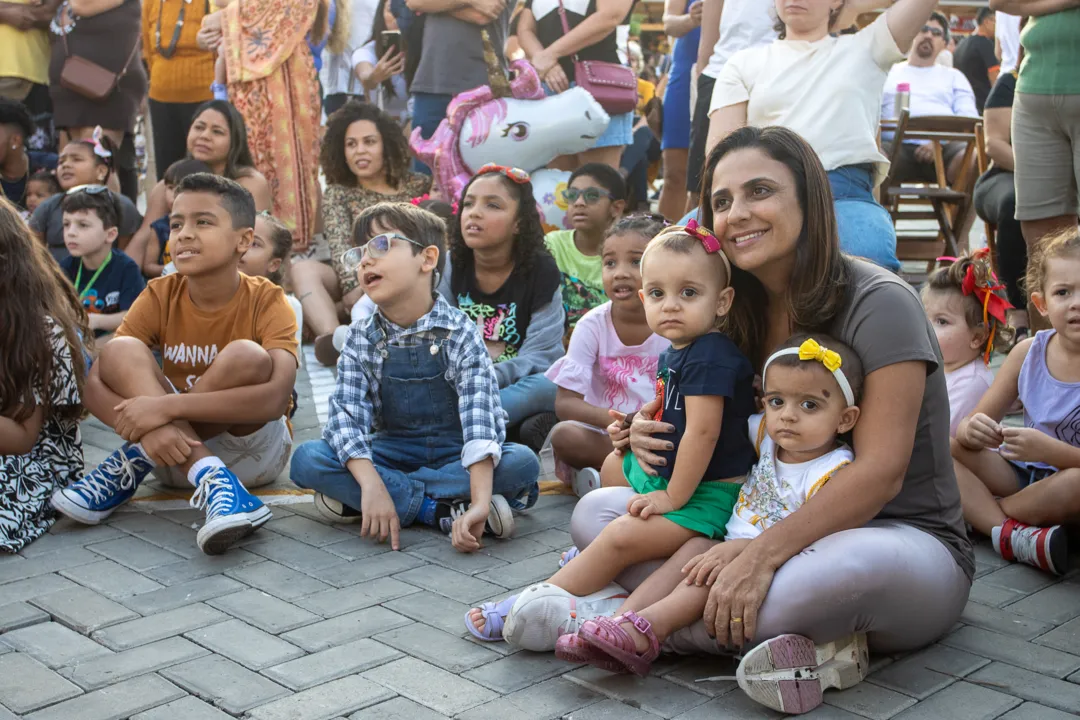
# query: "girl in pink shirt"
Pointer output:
{"type": "Point", "coordinates": [609, 370]}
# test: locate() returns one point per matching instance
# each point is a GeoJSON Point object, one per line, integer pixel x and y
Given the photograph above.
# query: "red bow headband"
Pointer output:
{"type": "Point", "coordinates": [993, 305]}
{"type": "Point", "coordinates": [701, 233]}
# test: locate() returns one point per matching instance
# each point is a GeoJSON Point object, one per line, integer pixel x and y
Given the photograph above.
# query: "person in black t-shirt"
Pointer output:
{"type": "Point", "coordinates": [106, 280]}
{"type": "Point", "coordinates": [977, 59]}
{"type": "Point", "coordinates": [17, 163]}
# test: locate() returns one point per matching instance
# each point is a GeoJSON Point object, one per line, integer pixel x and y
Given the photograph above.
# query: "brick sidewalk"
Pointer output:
{"type": "Point", "coordinates": [307, 621]}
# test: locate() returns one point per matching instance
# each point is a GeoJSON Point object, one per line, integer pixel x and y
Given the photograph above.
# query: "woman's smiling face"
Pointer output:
{"type": "Point", "coordinates": [756, 211]}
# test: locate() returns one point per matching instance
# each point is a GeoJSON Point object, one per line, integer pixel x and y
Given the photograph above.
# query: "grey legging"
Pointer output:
{"type": "Point", "coordinates": [897, 584]}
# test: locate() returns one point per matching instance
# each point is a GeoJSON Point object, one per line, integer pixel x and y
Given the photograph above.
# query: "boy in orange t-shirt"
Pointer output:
{"type": "Point", "coordinates": [219, 399]}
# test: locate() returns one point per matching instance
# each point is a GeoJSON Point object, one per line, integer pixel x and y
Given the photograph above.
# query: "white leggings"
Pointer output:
{"type": "Point", "coordinates": [897, 584]}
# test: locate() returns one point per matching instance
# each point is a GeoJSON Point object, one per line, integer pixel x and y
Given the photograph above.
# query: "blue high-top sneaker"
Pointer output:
{"type": "Point", "coordinates": [232, 513]}
{"type": "Point", "coordinates": [105, 488]}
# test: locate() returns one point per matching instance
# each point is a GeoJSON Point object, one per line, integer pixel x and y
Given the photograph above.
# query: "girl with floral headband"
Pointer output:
{"type": "Point", "coordinates": [966, 306]}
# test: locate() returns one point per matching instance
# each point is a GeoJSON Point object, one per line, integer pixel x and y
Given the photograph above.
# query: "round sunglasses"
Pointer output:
{"type": "Point", "coordinates": [376, 247]}
{"type": "Point", "coordinates": [590, 195]}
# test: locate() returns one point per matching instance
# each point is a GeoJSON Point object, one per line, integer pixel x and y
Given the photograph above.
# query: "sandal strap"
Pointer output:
{"type": "Point", "coordinates": [492, 619]}
{"type": "Point", "coordinates": [644, 627]}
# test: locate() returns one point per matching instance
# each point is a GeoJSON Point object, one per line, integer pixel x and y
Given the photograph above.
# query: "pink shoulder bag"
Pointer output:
{"type": "Point", "coordinates": [614, 86]}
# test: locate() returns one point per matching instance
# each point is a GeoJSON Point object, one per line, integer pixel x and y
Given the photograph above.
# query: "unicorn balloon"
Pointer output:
{"type": "Point", "coordinates": [526, 130]}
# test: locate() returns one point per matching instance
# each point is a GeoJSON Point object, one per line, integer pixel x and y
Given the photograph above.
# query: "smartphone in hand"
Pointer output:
{"type": "Point", "coordinates": [390, 39]}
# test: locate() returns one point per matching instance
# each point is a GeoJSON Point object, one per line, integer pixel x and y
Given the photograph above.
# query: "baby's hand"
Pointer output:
{"type": "Point", "coordinates": [619, 430]}
{"type": "Point", "coordinates": [982, 432]}
{"type": "Point", "coordinates": [658, 502]}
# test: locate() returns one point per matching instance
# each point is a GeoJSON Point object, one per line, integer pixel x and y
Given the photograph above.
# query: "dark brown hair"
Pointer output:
{"type": "Point", "coordinates": [821, 276]}
{"type": "Point", "coordinates": [1063, 243]}
{"type": "Point", "coordinates": [103, 204]}
{"type": "Point", "coordinates": [423, 226]}
{"type": "Point", "coordinates": [34, 288]}
{"type": "Point", "coordinates": [332, 153]}
{"type": "Point", "coordinates": [951, 280]}
{"type": "Point", "coordinates": [849, 359]}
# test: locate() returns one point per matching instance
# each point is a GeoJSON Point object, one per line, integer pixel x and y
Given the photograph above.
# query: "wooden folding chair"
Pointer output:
{"type": "Point", "coordinates": [949, 204]}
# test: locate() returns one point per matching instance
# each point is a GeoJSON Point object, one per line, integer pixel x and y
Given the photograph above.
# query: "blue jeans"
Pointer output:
{"type": "Point", "coordinates": [531, 395]}
{"type": "Point", "coordinates": [866, 228]}
{"type": "Point", "coordinates": [429, 109]}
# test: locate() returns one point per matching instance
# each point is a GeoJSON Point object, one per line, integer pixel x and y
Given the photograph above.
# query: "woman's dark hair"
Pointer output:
{"type": "Point", "coordinates": [34, 287]}
{"type": "Point", "coordinates": [239, 157]}
{"type": "Point", "coordinates": [528, 241]}
{"type": "Point", "coordinates": [821, 275]}
{"type": "Point", "coordinates": [377, 29]}
{"type": "Point", "coordinates": [332, 153]}
{"type": "Point", "coordinates": [46, 176]}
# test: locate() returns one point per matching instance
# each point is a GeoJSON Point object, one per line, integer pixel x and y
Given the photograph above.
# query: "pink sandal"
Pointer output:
{"type": "Point", "coordinates": [572, 648]}
{"type": "Point", "coordinates": [607, 636]}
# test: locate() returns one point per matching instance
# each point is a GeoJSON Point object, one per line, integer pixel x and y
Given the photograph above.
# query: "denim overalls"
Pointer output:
{"type": "Point", "coordinates": [417, 449]}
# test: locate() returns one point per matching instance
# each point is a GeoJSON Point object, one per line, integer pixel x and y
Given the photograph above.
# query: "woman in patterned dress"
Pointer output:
{"type": "Point", "coordinates": [41, 379]}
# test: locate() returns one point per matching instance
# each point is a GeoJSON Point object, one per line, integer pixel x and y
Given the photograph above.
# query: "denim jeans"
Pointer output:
{"type": "Point", "coordinates": [417, 450]}
{"type": "Point", "coordinates": [866, 228]}
{"type": "Point", "coordinates": [429, 109]}
{"type": "Point", "coordinates": [531, 395]}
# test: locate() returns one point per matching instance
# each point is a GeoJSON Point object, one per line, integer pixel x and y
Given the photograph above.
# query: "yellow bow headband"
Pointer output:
{"type": "Point", "coordinates": [811, 350]}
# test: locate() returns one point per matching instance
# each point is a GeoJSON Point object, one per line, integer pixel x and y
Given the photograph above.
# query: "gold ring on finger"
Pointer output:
{"type": "Point", "coordinates": [736, 620]}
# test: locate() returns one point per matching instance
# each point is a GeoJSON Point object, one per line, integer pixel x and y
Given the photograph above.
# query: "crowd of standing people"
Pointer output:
{"type": "Point", "coordinates": [760, 416]}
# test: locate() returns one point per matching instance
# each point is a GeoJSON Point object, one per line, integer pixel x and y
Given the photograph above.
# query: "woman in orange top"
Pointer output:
{"type": "Point", "coordinates": [180, 72]}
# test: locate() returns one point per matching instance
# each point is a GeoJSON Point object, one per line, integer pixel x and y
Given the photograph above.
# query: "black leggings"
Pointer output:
{"type": "Point", "coordinates": [171, 122]}
{"type": "Point", "coordinates": [995, 202]}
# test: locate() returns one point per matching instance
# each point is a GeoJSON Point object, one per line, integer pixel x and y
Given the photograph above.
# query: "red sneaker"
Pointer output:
{"type": "Point", "coordinates": [1043, 547]}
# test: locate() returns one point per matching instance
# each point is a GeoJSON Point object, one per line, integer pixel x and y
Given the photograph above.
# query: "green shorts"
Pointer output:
{"type": "Point", "coordinates": [706, 512]}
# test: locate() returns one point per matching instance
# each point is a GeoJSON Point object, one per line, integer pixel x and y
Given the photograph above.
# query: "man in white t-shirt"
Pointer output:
{"type": "Point", "coordinates": [934, 90]}
{"type": "Point", "coordinates": [1007, 37]}
{"type": "Point", "coordinates": [727, 26]}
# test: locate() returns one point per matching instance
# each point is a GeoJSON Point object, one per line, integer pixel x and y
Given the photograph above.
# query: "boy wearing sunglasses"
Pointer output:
{"type": "Point", "coordinates": [595, 198]}
{"type": "Point", "coordinates": [416, 430]}
{"type": "Point", "coordinates": [213, 413]}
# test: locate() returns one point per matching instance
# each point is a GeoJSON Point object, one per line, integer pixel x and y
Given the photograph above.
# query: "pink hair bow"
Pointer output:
{"type": "Point", "coordinates": [707, 239]}
{"type": "Point", "coordinates": [95, 143]}
{"type": "Point", "coordinates": [422, 198]}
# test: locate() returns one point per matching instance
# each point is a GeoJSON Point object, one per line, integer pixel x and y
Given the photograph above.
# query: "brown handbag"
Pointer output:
{"type": "Point", "coordinates": [89, 79]}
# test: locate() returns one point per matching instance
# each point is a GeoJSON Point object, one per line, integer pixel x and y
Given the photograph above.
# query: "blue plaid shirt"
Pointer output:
{"type": "Point", "coordinates": [356, 406]}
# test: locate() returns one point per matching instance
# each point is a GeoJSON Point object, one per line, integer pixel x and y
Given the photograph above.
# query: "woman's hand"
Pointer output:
{"type": "Point", "coordinates": [695, 12]}
{"type": "Point", "coordinates": [390, 64]}
{"type": "Point", "coordinates": [210, 33]}
{"type": "Point", "coordinates": [642, 442]}
{"type": "Point", "coordinates": [556, 80]}
{"type": "Point", "coordinates": [703, 569]}
{"type": "Point", "coordinates": [737, 593]}
{"type": "Point", "coordinates": [548, 68]}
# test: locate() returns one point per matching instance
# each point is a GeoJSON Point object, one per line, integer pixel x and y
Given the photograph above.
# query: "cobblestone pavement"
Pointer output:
{"type": "Point", "coordinates": [307, 621]}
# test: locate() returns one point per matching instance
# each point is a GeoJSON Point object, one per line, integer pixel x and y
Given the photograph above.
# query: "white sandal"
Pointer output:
{"type": "Point", "coordinates": [544, 612]}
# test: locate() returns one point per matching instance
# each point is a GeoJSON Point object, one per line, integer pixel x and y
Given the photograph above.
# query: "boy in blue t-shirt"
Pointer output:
{"type": "Point", "coordinates": [106, 280]}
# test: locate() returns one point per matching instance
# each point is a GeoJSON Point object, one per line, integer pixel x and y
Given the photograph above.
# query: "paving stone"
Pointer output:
{"type": "Point", "coordinates": [928, 671]}
{"type": "Point", "coordinates": [99, 672]}
{"type": "Point", "coordinates": [53, 645]}
{"type": "Point", "coordinates": [83, 610]}
{"type": "Point", "coordinates": [135, 553]}
{"type": "Point", "coordinates": [19, 615]}
{"type": "Point", "coordinates": [331, 664]}
{"type": "Point", "coordinates": [1031, 686]}
{"type": "Point", "coordinates": [829, 712]}
{"type": "Point", "coordinates": [1065, 638]}
{"type": "Point", "coordinates": [334, 602]}
{"type": "Point", "coordinates": [183, 594]}
{"type": "Point", "coordinates": [518, 671]}
{"type": "Point", "coordinates": [112, 580]}
{"type": "Point", "coordinates": [26, 684]}
{"type": "Point", "coordinates": [651, 694]}
{"type": "Point", "coordinates": [869, 700]}
{"type": "Point", "coordinates": [337, 697]}
{"type": "Point", "coordinates": [358, 547]}
{"type": "Point", "coordinates": [450, 583]}
{"type": "Point", "coordinates": [308, 531]}
{"type": "Point", "coordinates": [345, 628]}
{"type": "Point", "coordinates": [443, 553]}
{"type": "Point", "coordinates": [202, 566]}
{"type": "Point", "coordinates": [432, 609]}
{"type": "Point", "coordinates": [397, 709]}
{"type": "Point", "coordinates": [220, 681]}
{"type": "Point", "coordinates": [535, 521]}
{"type": "Point", "coordinates": [277, 580]}
{"type": "Point", "coordinates": [986, 594]}
{"type": "Point", "coordinates": [19, 568]}
{"type": "Point", "coordinates": [1013, 651]}
{"type": "Point", "coordinates": [555, 539]}
{"type": "Point", "coordinates": [22, 590]}
{"type": "Point", "coordinates": [1033, 711]}
{"type": "Point", "coordinates": [612, 710]}
{"type": "Point", "coordinates": [1021, 578]}
{"type": "Point", "coordinates": [186, 708]}
{"type": "Point", "coordinates": [264, 611]}
{"type": "Point", "coordinates": [549, 699]}
{"type": "Point", "coordinates": [291, 553]}
{"type": "Point", "coordinates": [525, 572]}
{"type": "Point", "coordinates": [248, 646]}
{"type": "Point", "coordinates": [114, 702]}
{"type": "Point", "coordinates": [1004, 621]}
{"type": "Point", "coordinates": [1056, 604]}
{"type": "Point", "coordinates": [350, 573]}
{"type": "Point", "coordinates": [160, 532]}
{"type": "Point", "coordinates": [732, 706]}
{"type": "Point", "coordinates": [437, 647]}
{"type": "Point", "coordinates": [67, 535]}
{"type": "Point", "coordinates": [158, 627]}
{"type": "Point", "coordinates": [430, 686]}
{"type": "Point", "coordinates": [961, 701]}
{"type": "Point", "coordinates": [515, 550]}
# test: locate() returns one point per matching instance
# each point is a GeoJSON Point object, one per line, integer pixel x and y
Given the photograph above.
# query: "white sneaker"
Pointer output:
{"type": "Point", "coordinates": [544, 612]}
{"type": "Point", "coordinates": [336, 512]}
{"type": "Point", "coordinates": [1043, 547]}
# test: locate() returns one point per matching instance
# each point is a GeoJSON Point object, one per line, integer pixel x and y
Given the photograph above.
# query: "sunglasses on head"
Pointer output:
{"type": "Point", "coordinates": [591, 196]}
{"type": "Point", "coordinates": [511, 173]}
{"type": "Point", "coordinates": [935, 31]}
{"type": "Point", "coordinates": [88, 189]}
{"type": "Point", "coordinates": [376, 247]}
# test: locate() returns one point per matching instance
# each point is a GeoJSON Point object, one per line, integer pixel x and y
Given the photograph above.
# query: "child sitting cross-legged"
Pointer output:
{"type": "Point", "coordinates": [214, 411]}
{"type": "Point", "coordinates": [106, 280]}
{"type": "Point", "coordinates": [810, 387]}
{"type": "Point", "coordinates": [705, 384]}
{"type": "Point", "coordinates": [416, 431]}
{"type": "Point", "coordinates": [1021, 485]}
